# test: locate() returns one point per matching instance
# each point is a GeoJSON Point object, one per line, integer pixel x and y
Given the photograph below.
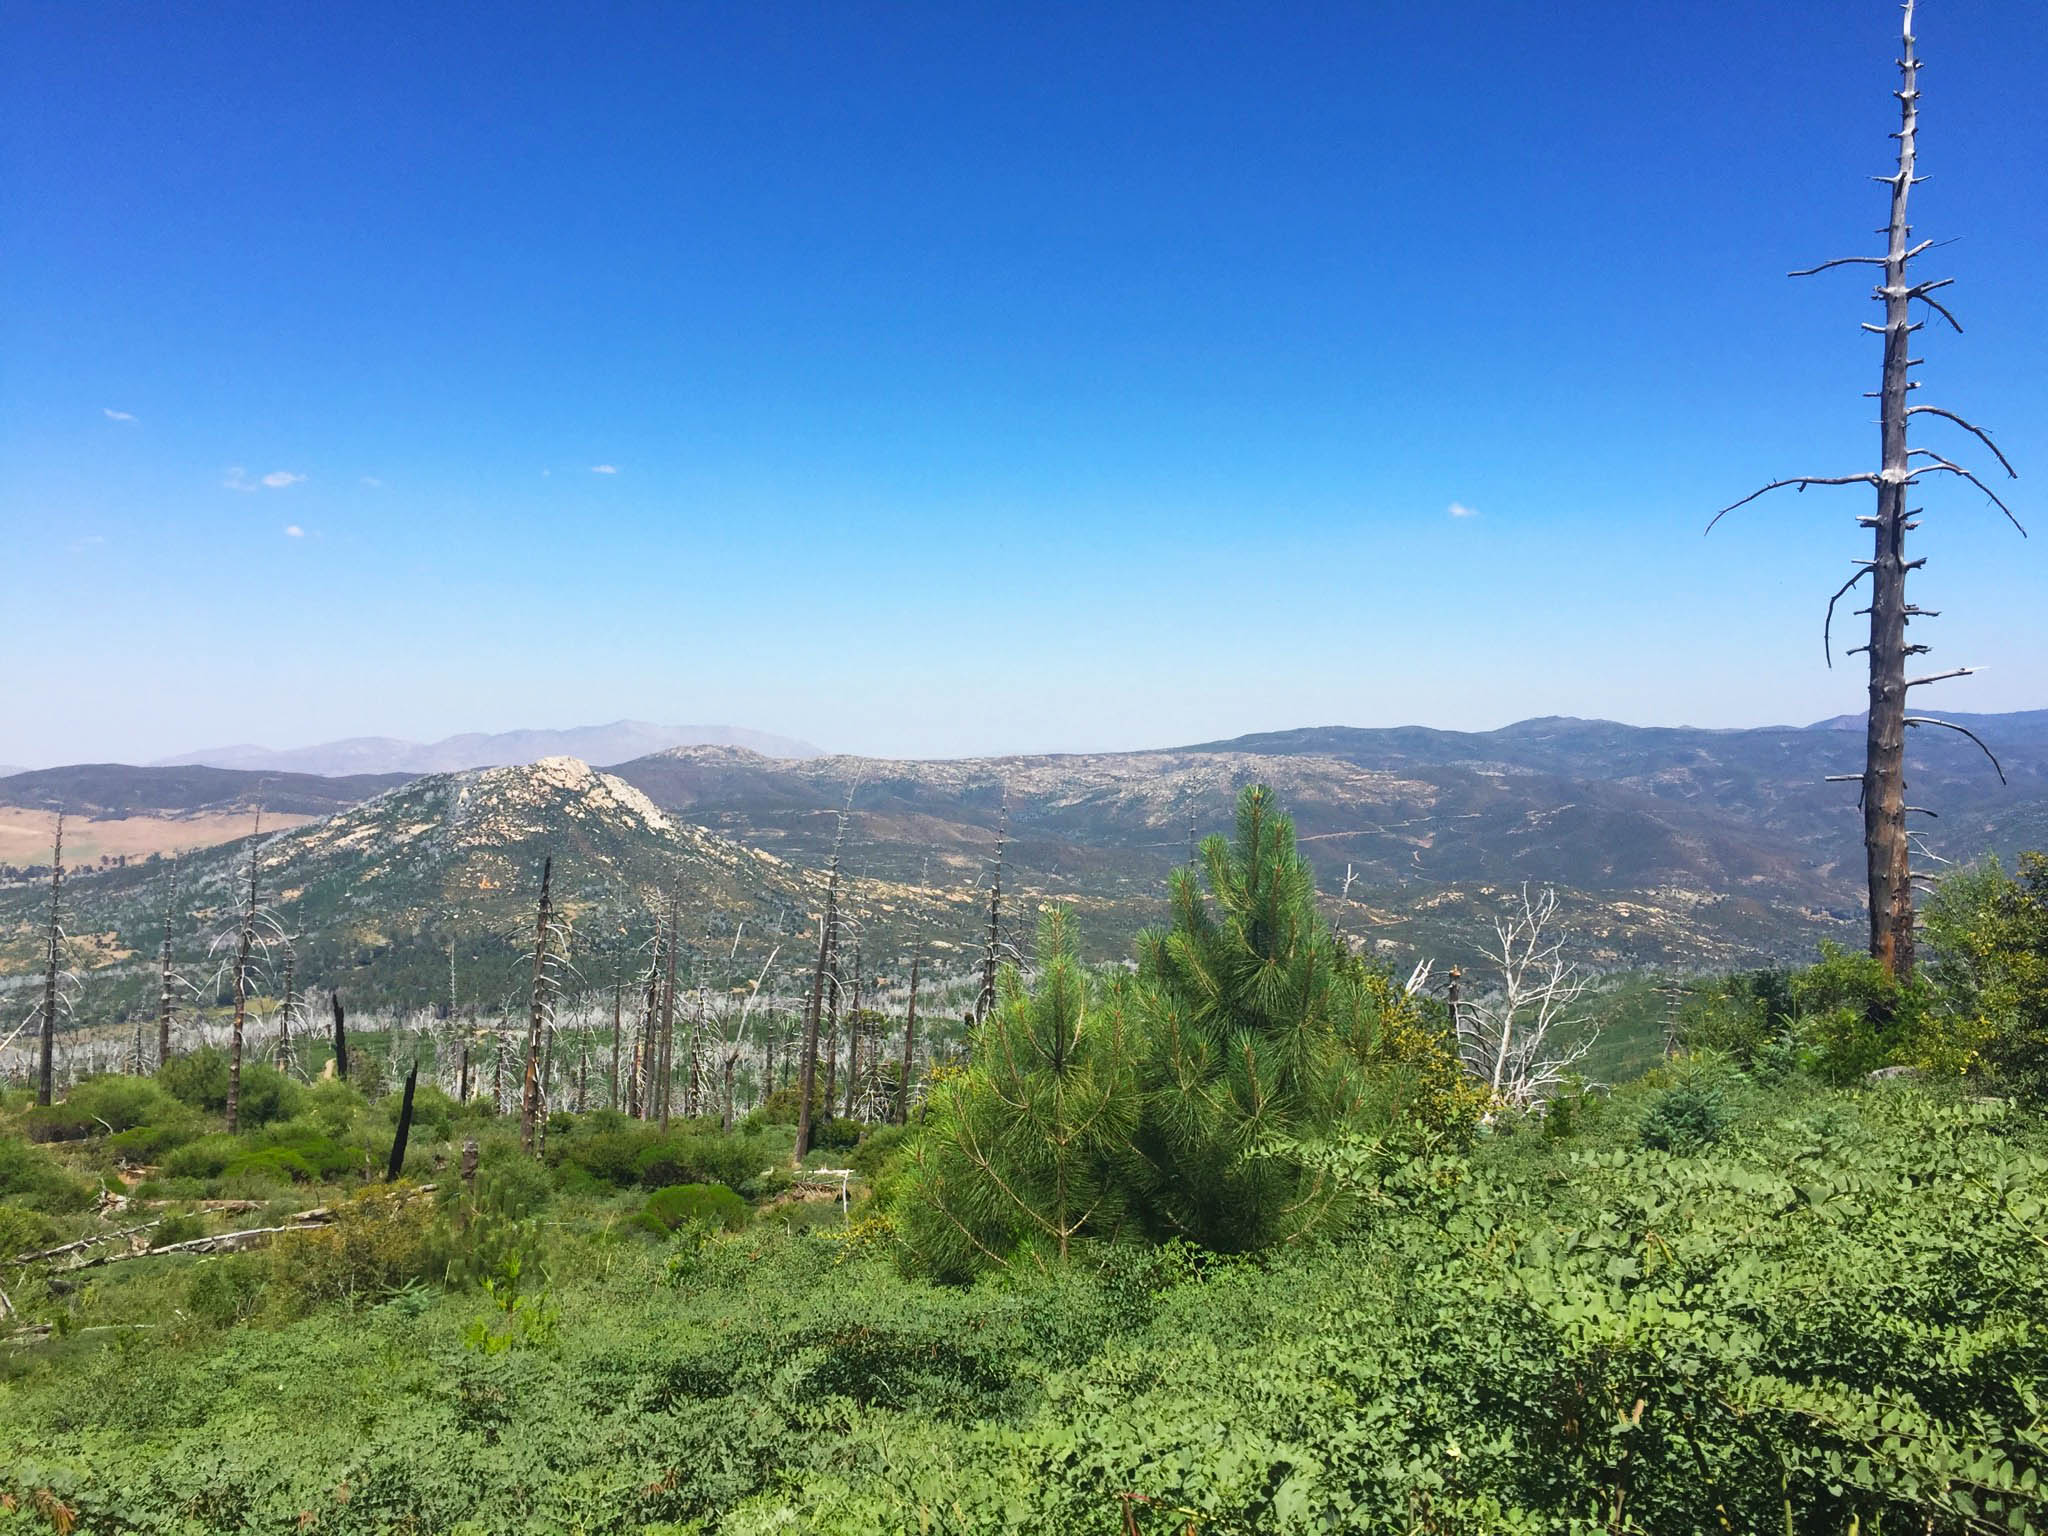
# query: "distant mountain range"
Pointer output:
{"type": "Point", "coordinates": [1667, 846]}
{"type": "Point", "coordinates": [613, 743]}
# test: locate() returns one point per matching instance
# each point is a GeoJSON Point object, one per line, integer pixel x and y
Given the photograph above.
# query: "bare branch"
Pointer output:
{"type": "Point", "coordinates": [1936, 461]}
{"type": "Point", "coordinates": [1841, 261]}
{"type": "Point", "coordinates": [1940, 677]}
{"type": "Point", "coordinates": [1827, 648]}
{"type": "Point", "coordinates": [1968, 426]}
{"type": "Point", "coordinates": [1801, 481]}
{"type": "Point", "coordinates": [1965, 730]}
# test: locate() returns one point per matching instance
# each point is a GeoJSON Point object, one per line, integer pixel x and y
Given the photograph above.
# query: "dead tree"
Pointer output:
{"type": "Point", "coordinates": [643, 1051]}
{"type": "Point", "coordinates": [340, 1037]}
{"type": "Point", "coordinates": [246, 941]}
{"type": "Point", "coordinates": [165, 974]}
{"type": "Point", "coordinates": [1522, 1040]}
{"type": "Point", "coordinates": [618, 1018]}
{"type": "Point", "coordinates": [902, 1116]}
{"type": "Point", "coordinates": [539, 1007]}
{"type": "Point", "coordinates": [668, 1012]}
{"type": "Point", "coordinates": [284, 1009]}
{"type": "Point", "coordinates": [991, 959]}
{"type": "Point", "coordinates": [52, 969]}
{"type": "Point", "coordinates": [807, 1071]}
{"type": "Point", "coordinates": [734, 1045]}
{"type": "Point", "coordinates": [1888, 873]}
{"type": "Point", "coordinates": [397, 1164]}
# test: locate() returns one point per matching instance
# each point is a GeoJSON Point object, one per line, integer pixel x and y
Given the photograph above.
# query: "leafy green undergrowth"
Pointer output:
{"type": "Point", "coordinates": [1709, 1306]}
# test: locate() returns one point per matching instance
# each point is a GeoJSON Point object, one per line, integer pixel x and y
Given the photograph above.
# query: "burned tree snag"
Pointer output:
{"type": "Point", "coordinates": [992, 956]}
{"type": "Point", "coordinates": [244, 944]}
{"type": "Point", "coordinates": [397, 1163]}
{"type": "Point", "coordinates": [618, 1018]}
{"type": "Point", "coordinates": [665, 1085]}
{"type": "Point", "coordinates": [902, 1115]}
{"type": "Point", "coordinates": [340, 1037]}
{"type": "Point", "coordinates": [164, 999]}
{"type": "Point", "coordinates": [529, 1102]}
{"type": "Point", "coordinates": [284, 1010]}
{"type": "Point", "coordinates": [46, 1054]}
{"type": "Point", "coordinates": [807, 1071]}
{"type": "Point", "coordinates": [1888, 874]}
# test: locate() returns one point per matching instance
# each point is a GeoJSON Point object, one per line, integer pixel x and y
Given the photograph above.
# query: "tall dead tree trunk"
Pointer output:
{"type": "Point", "coordinates": [284, 1010]}
{"type": "Point", "coordinates": [807, 1070]}
{"type": "Point", "coordinates": [246, 941]}
{"type": "Point", "coordinates": [618, 1018]}
{"type": "Point", "coordinates": [397, 1164]}
{"type": "Point", "coordinates": [529, 1101]}
{"type": "Point", "coordinates": [164, 999]}
{"type": "Point", "coordinates": [46, 1055]}
{"type": "Point", "coordinates": [340, 1037]}
{"type": "Point", "coordinates": [650, 1014]}
{"type": "Point", "coordinates": [1886, 842]}
{"type": "Point", "coordinates": [665, 1086]}
{"type": "Point", "coordinates": [991, 957]}
{"type": "Point", "coordinates": [902, 1116]}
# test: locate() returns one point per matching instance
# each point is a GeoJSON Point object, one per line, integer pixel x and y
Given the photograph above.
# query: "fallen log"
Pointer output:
{"type": "Point", "coordinates": [83, 1243]}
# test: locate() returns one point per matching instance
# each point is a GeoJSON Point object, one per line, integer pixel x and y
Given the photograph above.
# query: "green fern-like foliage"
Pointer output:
{"type": "Point", "coordinates": [1254, 1029]}
{"type": "Point", "coordinates": [1029, 1151]}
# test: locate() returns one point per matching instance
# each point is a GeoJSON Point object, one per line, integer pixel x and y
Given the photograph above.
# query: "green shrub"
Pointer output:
{"type": "Point", "coordinates": [152, 1143]}
{"type": "Point", "coordinates": [1990, 939]}
{"type": "Point", "coordinates": [681, 1205]}
{"type": "Point", "coordinates": [225, 1289]}
{"type": "Point", "coordinates": [1686, 1118]}
{"type": "Point", "coordinates": [203, 1158]}
{"type": "Point", "coordinates": [877, 1149]}
{"type": "Point", "coordinates": [179, 1228]}
{"type": "Point", "coordinates": [24, 1231]}
{"type": "Point", "coordinates": [201, 1080]}
{"type": "Point", "coordinates": [32, 1179]}
{"type": "Point", "coordinates": [101, 1105]}
{"type": "Point", "coordinates": [1857, 1016]}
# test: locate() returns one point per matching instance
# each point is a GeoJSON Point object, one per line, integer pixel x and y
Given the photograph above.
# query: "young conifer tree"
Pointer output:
{"type": "Point", "coordinates": [1254, 1029]}
{"type": "Point", "coordinates": [1029, 1150]}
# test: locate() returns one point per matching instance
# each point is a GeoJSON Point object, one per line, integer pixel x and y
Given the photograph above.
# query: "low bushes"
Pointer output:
{"type": "Point", "coordinates": [103, 1105]}
{"type": "Point", "coordinates": [201, 1080]}
{"type": "Point", "coordinates": [680, 1205]}
{"type": "Point", "coordinates": [32, 1179]}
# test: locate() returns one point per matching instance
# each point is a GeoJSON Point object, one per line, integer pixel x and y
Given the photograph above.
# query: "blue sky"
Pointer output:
{"type": "Point", "coordinates": [955, 379]}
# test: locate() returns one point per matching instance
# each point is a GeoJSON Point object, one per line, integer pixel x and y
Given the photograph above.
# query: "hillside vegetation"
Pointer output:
{"type": "Point", "coordinates": [1228, 1242]}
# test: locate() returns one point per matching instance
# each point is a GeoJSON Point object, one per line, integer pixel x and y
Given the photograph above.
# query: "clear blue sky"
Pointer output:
{"type": "Point", "coordinates": [974, 378]}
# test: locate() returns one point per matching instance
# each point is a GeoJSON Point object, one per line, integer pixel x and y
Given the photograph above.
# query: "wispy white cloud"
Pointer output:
{"type": "Point", "coordinates": [603, 469]}
{"type": "Point", "coordinates": [79, 546]}
{"type": "Point", "coordinates": [294, 531]}
{"type": "Point", "coordinates": [113, 415]}
{"type": "Point", "coordinates": [373, 482]}
{"type": "Point", "coordinates": [238, 480]}
{"type": "Point", "coordinates": [1459, 509]}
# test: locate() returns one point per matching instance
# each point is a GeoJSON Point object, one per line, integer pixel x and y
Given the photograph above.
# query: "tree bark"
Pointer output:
{"type": "Point", "coordinates": [807, 1070]}
{"type": "Point", "coordinates": [909, 1034]}
{"type": "Point", "coordinates": [529, 1102]}
{"type": "Point", "coordinates": [340, 1037]}
{"type": "Point", "coordinates": [1884, 777]}
{"type": "Point", "coordinates": [46, 1055]}
{"type": "Point", "coordinates": [665, 1086]}
{"type": "Point", "coordinates": [397, 1164]}
{"type": "Point", "coordinates": [248, 939]}
{"type": "Point", "coordinates": [164, 998]}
